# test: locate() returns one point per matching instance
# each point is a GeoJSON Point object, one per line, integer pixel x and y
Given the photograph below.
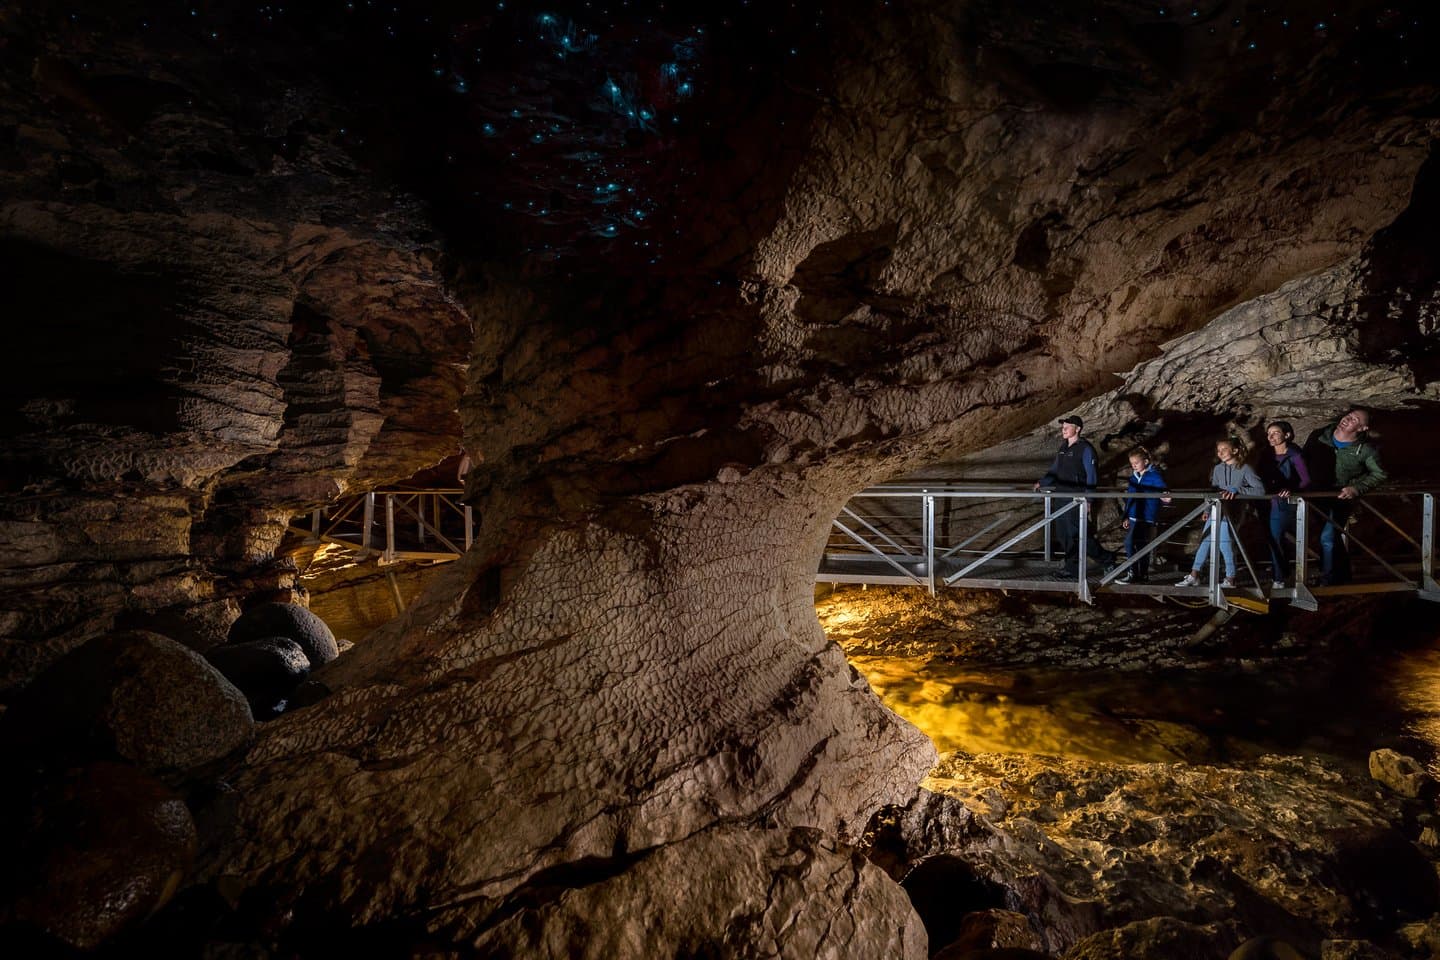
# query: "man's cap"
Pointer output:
{"type": "Point", "coordinates": [1075, 420]}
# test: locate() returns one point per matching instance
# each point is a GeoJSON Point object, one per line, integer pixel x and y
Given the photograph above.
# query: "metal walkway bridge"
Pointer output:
{"type": "Point", "coordinates": [1004, 538]}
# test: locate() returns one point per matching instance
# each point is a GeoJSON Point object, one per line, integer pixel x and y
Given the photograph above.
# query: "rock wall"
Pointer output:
{"type": "Point", "coordinates": [217, 319]}
{"type": "Point", "coordinates": [981, 213]}
{"type": "Point", "coordinates": [629, 655]}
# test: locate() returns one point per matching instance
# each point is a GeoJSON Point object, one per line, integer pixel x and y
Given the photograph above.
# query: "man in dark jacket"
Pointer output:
{"type": "Point", "coordinates": [1075, 468]}
{"type": "Point", "coordinates": [1340, 457]}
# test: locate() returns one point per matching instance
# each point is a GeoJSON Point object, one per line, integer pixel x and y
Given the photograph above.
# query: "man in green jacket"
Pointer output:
{"type": "Point", "coordinates": [1340, 457]}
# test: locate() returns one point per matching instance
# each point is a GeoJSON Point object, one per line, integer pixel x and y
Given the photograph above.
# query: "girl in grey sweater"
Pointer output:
{"type": "Point", "coordinates": [1232, 477]}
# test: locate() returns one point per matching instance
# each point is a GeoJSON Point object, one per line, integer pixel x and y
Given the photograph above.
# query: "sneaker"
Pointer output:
{"type": "Point", "coordinates": [1190, 581]}
{"type": "Point", "coordinates": [1278, 585]}
{"type": "Point", "coordinates": [1228, 583]}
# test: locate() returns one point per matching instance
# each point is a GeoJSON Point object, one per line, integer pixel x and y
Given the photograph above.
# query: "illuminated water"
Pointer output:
{"type": "Point", "coordinates": [1342, 708]}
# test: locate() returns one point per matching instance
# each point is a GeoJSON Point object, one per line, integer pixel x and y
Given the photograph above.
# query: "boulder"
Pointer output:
{"type": "Point", "coordinates": [288, 620]}
{"type": "Point", "coordinates": [1400, 773]}
{"type": "Point", "coordinates": [267, 671]}
{"type": "Point", "coordinates": [99, 849]}
{"type": "Point", "coordinates": [135, 696]}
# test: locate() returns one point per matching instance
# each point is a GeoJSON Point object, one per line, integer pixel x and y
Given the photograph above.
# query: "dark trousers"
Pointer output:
{"type": "Point", "coordinates": [1137, 538]}
{"type": "Point", "coordinates": [1282, 526]}
{"type": "Point", "coordinates": [1067, 539]}
{"type": "Point", "coordinates": [1334, 555]}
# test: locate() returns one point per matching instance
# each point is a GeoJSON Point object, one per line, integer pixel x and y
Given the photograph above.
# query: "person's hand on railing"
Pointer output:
{"type": "Point", "coordinates": [1227, 494]}
{"type": "Point", "coordinates": [1348, 493]}
{"type": "Point", "coordinates": [1283, 494]}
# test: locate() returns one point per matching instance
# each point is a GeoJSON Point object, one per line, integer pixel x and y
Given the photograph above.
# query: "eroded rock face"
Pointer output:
{"type": "Point", "coordinates": [135, 696]}
{"type": "Point", "coordinates": [964, 235]}
{"type": "Point", "coordinates": [218, 320]}
{"type": "Point", "coordinates": [1288, 847]}
{"type": "Point", "coordinates": [629, 652]}
{"type": "Point", "coordinates": [789, 893]}
{"type": "Point", "coordinates": [98, 849]}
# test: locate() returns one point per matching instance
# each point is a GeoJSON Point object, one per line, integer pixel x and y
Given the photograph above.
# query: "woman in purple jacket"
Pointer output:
{"type": "Point", "coordinates": [1283, 472]}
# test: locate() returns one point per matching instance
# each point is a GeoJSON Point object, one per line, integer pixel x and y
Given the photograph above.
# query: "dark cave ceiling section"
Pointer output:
{"type": "Point", "coordinates": [593, 131]}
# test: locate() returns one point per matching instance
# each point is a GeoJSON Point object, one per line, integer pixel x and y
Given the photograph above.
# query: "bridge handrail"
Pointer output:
{"type": "Point", "coordinates": [921, 548]}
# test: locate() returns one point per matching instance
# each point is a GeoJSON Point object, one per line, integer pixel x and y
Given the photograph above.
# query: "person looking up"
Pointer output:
{"type": "Point", "coordinates": [1341, 457]}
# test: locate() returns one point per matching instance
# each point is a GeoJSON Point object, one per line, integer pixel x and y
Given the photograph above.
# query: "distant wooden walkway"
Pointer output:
{"type": "Point", "coordinates": [394, 525]}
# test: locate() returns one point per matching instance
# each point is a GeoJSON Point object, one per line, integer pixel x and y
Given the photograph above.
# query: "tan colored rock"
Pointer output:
{"type": "Point", "coordinates": [992, 929]}
{"type": "Point", "coordinates": [1123, 842]}
{"type": "Point", "coordinates": [1400, 773]}
{"type": "Point", "coordinates": [1161, 938]}
{"type": "Point", "coordinates": [791, 894]}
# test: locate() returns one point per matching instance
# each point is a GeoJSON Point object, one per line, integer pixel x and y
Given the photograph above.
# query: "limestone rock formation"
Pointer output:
{"type": "Point", "coordinates": [267, 671]}
{"type": "Point", "coordinates": [1400, 773]}
{"type": "Point", "coordinates": [784, 894]}
{"type": "Point", "coordinates": [981, 213]}
{"type": "Point", "coordinates": [134, 696]}
{"type": "Point", "coordinates": [1286, 847]}
{"type": "Point", "coordinates": [95, 850]}
{"type": "Point", "coordinates": [292, 621]}
{"type": "Point", "coordinates": [220, 319]}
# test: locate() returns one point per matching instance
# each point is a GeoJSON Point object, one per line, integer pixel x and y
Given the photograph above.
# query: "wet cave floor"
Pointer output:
{"type": "Point", "coordinates": [1117, 773]}
{"type": "Point", "coordinates": [994, 674]}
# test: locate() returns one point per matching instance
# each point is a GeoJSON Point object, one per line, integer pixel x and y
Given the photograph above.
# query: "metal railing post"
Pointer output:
{"type": "Point", "coordinates": [1217, 597]}
{"type": "Point", "coordinates": [368, 521]}
{"type": "Point", "coordinates": [1082, 587]}
{"type": "Point", "coordinates": [1429, 589]}
{"type": "Point", "coordinates": [315, 524]}
{"type": "Point", "coordinates": [389, 527]}
{"type": "Point", "coordinates": [1049, 554]}
{"type": "Point", "coordinates": [929, 521]}
{"type": "Point", "coordinates": [420, 517]}
{"type": "Point", "coordinates": [469, 526]}
{"type": "Point", "coordinates": [1303, 598]}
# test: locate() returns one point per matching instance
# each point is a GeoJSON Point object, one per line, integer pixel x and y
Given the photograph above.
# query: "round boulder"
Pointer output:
{"type": "Point", "coordinates": [100, 848]}
{"type": "Point", "coordinates": [267, 671]}
{"type": "Point", "coordinates": [137, 696]}
{"type": "Point", "coordinates": [288, 620]}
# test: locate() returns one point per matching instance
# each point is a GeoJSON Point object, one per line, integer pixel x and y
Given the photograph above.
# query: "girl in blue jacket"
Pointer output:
{"type": "Point", "coordinates": [1141, 513]}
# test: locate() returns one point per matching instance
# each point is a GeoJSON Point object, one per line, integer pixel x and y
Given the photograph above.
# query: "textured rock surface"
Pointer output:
{"type": "Point", "coordinates": [1400, 773]}
{"type": "Point", "coordinates": [656, 486]}
{"type": "Point", "coordinates": [267, 671]}
{"type": "Point", "coordinates": [1290, 847]}
{"type": "Point", "coordinates": [959, 233]}
{"type": "Point", "coordinates": [292, 621]}
{"type": "Point", "coordinates": [137, 696]}
{"type": "Point", "coordinates": [220, 319]}
{"type": "Point", "coordinates": [97, 850]}
{"type": "Point", "coordinates": [1159, 939]}
{"type": "Point", "coordinates": [791, 894]}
